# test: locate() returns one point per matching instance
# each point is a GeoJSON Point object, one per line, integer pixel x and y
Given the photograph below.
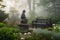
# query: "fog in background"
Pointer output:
{"type": "Point", "coordinates": [20, 5]}
{"type": "Point", "coordinates": [34, 8]}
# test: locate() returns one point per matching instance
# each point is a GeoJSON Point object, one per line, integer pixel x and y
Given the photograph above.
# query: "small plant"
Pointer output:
{"type": "Point", "coordinates": [56, 29]}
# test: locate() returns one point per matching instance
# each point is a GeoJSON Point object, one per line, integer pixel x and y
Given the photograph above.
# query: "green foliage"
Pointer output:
{"type": "Point", "coordinates": [46, 35]}
{"type": "Point", "coordinates": [3, 16]}
{"type": "Point", "coordinates": [46, 2]}
{"type": "Point", "coordinates": [56, 36]}
{"type": "Point", "coordinates": [6, 25]}
{"type": "Point", "coordinates": [56, 28]}
{"type": "Point", "coordinates": [2, 25]}
{"type": "Point", "coordinates": [50, 5]}
{"type": "Point", "coordinates": [32, 37]}
{"type": "Point", "coordinates": [24, 31]}
{"type": "Point", "coordinates": [56, 20]}
{"type": "Point", "coordinates": [9, 34]}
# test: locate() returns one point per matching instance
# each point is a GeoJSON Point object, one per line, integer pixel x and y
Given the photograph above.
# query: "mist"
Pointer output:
{"type": "Point", "coordinates": [21, 5]}
{"type": "Point", "coordinates": [34, 8]}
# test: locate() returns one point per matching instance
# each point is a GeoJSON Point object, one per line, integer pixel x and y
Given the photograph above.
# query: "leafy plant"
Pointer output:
{"type": "Point", "coordinates": [2, 25]}
{"type": "Point", "coordinates": [7, 33]}
{"type": "Point", "coordinates": [47, 35]}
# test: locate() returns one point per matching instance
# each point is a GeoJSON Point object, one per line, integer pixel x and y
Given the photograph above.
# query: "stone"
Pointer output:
{"type": "Point", "coordinates": [23, 18]}
{"type": "Point", "coordinates": [23, 26]}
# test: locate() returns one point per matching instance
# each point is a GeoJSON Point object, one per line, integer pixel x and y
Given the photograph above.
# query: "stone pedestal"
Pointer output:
{"type": "Point", "coordinates": [24, 26]}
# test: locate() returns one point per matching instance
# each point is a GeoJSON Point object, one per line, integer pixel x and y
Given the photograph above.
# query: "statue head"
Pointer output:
{"type": "Point", "coordinates": [24, 11]}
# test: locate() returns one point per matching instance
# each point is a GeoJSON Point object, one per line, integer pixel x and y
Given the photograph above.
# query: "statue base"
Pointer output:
{"type": "Point", "coordinates": [24, 27]}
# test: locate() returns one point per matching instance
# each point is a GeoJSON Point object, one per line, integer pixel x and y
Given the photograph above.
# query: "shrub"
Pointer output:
{"type": "Point", "coordinates": [6, 25]}
{"type": "Point", "coordinates": [47, 35]}
{"type": "Point", "coordinates": [56, 36]}
{"type": "Point", "coordinates": [32, 37]}
{"type": "Point", "coordinates": [2, 25]}
{"type": "Point", "coordinates": [9, 34]}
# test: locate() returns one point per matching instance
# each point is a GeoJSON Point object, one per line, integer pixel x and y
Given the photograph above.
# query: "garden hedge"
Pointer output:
{"type": "Point", "coordinates": [7, 33]}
